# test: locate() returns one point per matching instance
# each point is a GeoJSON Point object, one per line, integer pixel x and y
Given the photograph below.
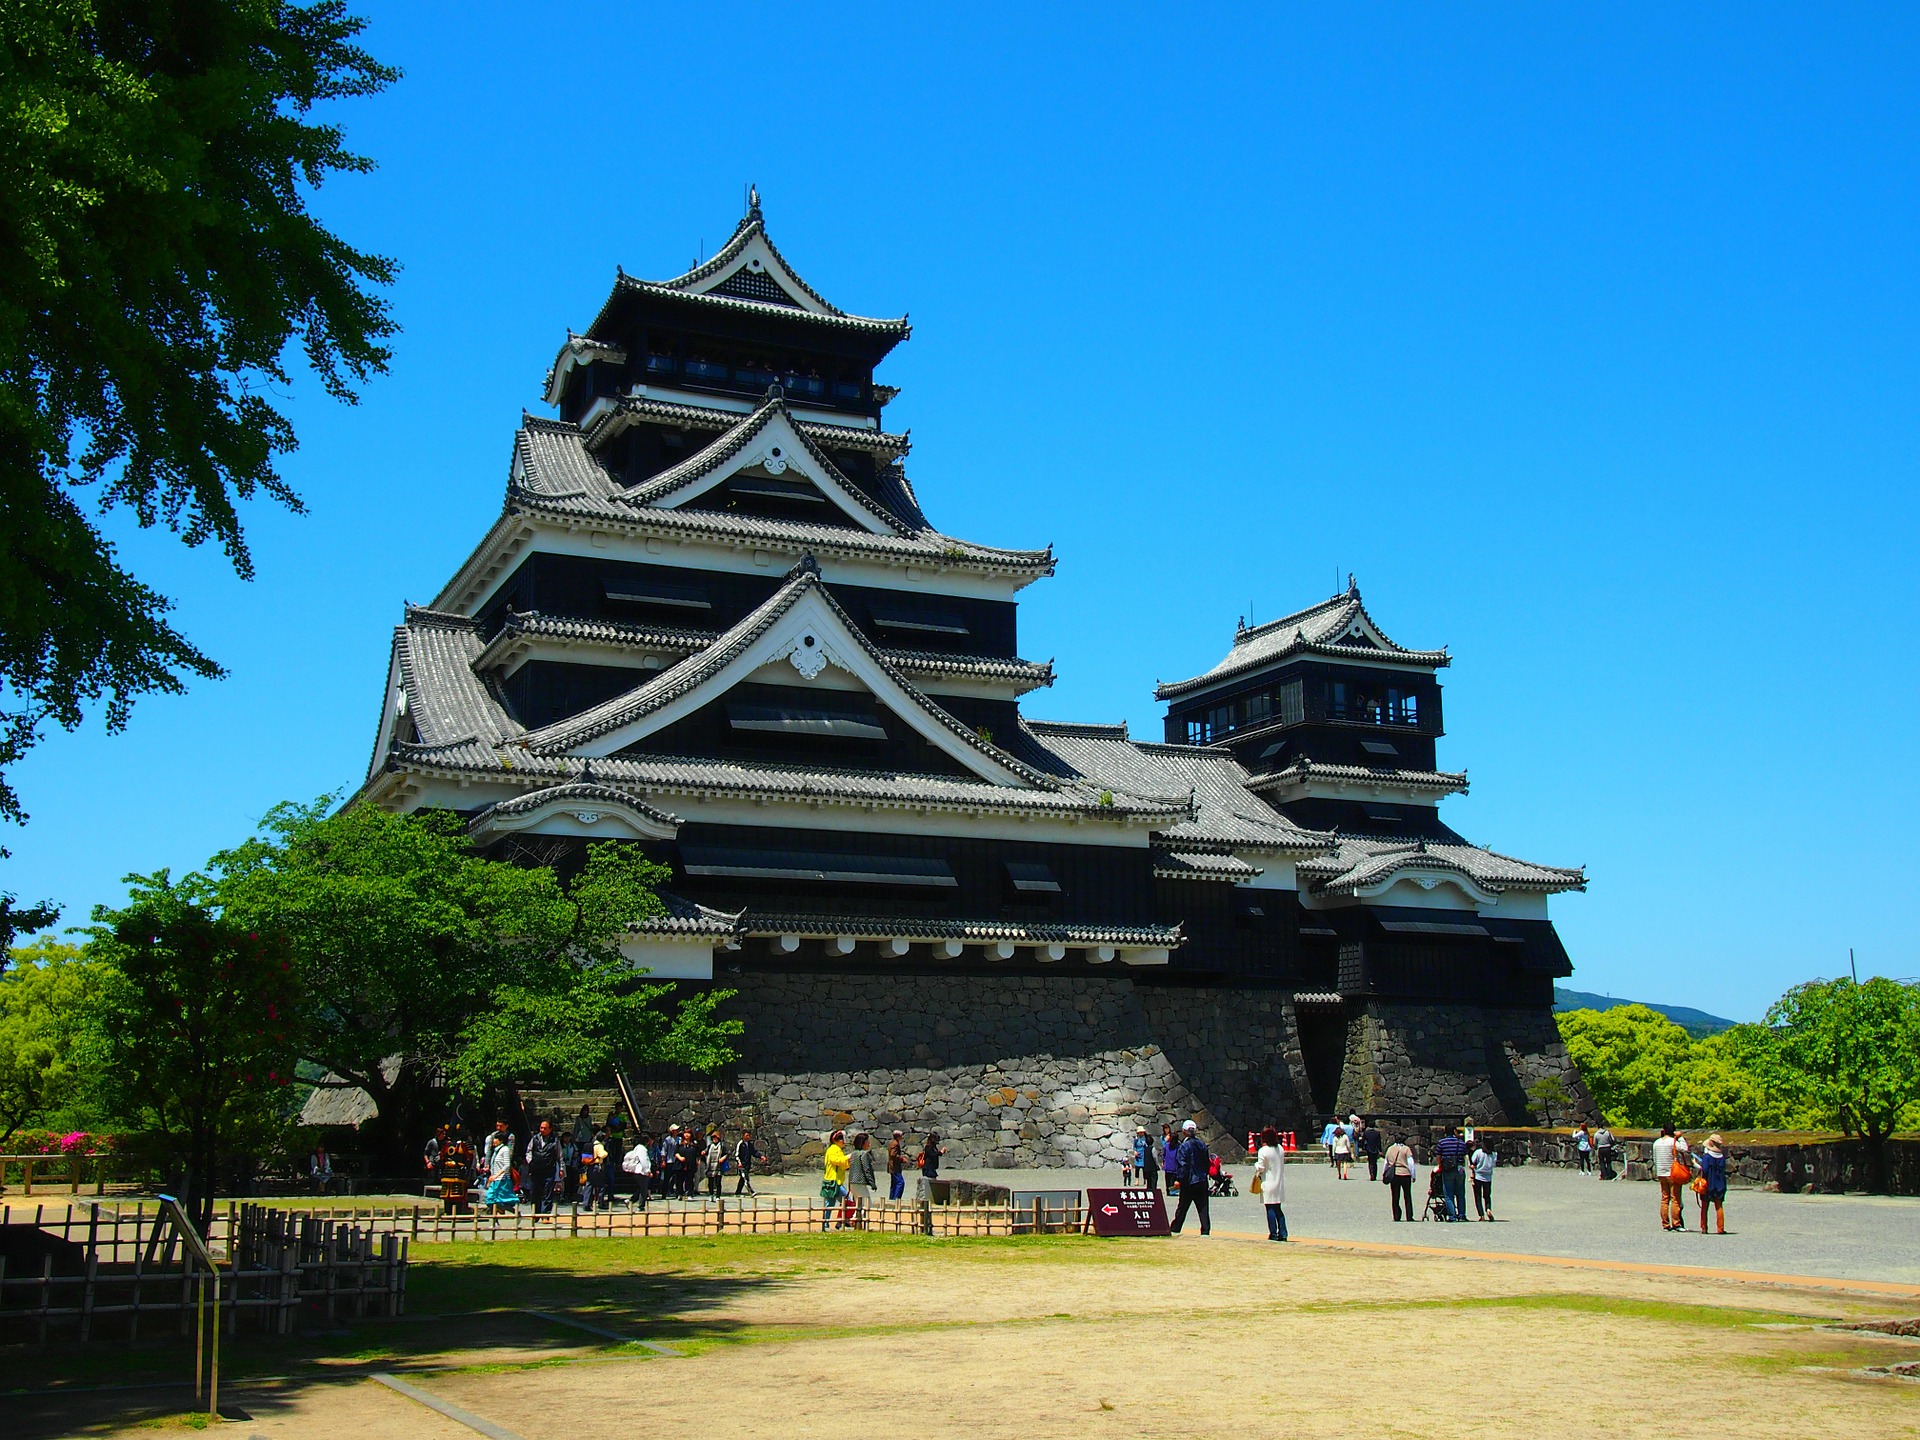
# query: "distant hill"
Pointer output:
{"type": "Point", "coordinates": [1697, 1023]}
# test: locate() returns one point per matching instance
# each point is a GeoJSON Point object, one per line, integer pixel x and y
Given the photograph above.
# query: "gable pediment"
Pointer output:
{"type": "Point", "coordinates": [757, 272]}
{"type": "Point", "coordinates": [802, 638]}
{"type": "Point", "coordinates": [765, 454]}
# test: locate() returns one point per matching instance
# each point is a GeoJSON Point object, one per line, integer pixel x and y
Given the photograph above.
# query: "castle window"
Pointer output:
{"type": "Point", "coordinates": [756, 864]}
{"type": "Point", "coordinates": [922, 622]}
{"type": "Point", "coordinates": [804, 720]}
{"type": "Point", "coordinates": [657, 594]}
{"type": "Point", "coordinates": [1031, 879]}
{"type": "Point", "coordinates": [1292, 709]}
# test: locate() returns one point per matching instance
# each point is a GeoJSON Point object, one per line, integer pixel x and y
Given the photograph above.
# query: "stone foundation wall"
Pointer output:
{"type": "Point", "coordinates": [1012, 1070]}
{"type": "Point", "coordinates": [1043, 1070]}
{"type": "Point", "coordinates": [1457, 1059]}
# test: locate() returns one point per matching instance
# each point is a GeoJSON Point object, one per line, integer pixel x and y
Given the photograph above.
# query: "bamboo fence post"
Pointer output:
{"type": "Point", "coordinates": [326, 1252]}
{"type": "Point", "coordinates": [46, 1288]}
{"type": "Point", "coordinates": [139, 1264]}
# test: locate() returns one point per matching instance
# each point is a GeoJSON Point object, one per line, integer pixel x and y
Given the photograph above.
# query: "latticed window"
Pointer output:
{"type": "Point", "coordinates": [754, 285]}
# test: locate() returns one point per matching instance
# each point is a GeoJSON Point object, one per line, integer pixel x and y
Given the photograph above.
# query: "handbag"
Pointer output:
{"type": "Point", "coordinates": [1680, 1172]}
{"type": "Point", "coordinates": [1699, 1184]}
{"type": "Point", "coordinates": [829, 1191]}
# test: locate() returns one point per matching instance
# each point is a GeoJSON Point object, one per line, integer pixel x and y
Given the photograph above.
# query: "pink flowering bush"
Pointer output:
{"type": "Point", "coordinates": [46, 1142]}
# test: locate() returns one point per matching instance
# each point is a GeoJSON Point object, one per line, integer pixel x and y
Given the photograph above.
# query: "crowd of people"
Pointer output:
{"type": "Point", "coordinates": [850, 1181]}
{"type": "Point", "coordinates": [1461, 1166]}
{"type": "Point", "coordinates": [591, 1166]}
{"type": "Point", "coordinates": [596, 1166]}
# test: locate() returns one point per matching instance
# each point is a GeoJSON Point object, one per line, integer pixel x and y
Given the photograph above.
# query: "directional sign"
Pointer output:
{"type": "Point", "coordinates": [1128, 1212]}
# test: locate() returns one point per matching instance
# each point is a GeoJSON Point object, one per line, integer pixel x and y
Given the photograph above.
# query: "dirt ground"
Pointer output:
{"type": "Point", "coordinates": [823, 1335]}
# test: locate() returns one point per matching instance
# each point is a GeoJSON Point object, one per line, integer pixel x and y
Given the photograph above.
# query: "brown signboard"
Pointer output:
{"type": "Point", "coordinates": [1128, 1212]}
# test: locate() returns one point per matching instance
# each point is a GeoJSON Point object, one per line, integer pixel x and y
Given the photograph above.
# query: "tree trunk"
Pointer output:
{"type": "Point", "coordinates": [396, 1137]}
{"type": "Point", "coordinates": [1878, 1170]}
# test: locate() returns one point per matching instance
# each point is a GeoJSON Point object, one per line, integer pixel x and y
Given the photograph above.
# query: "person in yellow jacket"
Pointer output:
{"type": "Point", "coordinates": [833, 1179]}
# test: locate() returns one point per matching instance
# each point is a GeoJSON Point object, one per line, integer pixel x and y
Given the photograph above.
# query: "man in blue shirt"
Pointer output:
{"type": "Point", "coordinates": [1450, 1158]}
{"type": "Point", "coordinates": [1192, 1157]}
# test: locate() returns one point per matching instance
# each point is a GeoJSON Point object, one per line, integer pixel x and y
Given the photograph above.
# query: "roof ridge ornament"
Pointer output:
{"type": "Point", "coordinates": [753, 202]}
{"type": "Point", "coordinates": [807, 566]}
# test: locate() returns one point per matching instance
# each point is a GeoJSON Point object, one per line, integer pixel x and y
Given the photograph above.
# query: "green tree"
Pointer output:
{"type": "Point", "coordinates": [196, 1021]}
{"type": "Point", "coordinates": [47, 998]}
{"type": "Point", "coordinates": [1850, 1053]}
{"type": "Point", "coordinates": [157, 263]}
{"type": "Point", "coordinates": [1549, 1093]}
{"type": "Point", "coordinates": [414, 949]}
{"type": "Point", "coordinates": [18, 920]}
{"type": "Point", "coordinates": [1627, 1056]}
{"type": "Point", "coordinates": [1712, 1088]}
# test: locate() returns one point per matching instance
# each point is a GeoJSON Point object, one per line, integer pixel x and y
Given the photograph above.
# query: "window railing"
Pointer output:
{"type": "Point", "coordinates": [1371, 713]}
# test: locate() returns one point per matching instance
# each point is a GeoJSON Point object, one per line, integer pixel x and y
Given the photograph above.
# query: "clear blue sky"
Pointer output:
{"type": "Point", "coordinates": [1587, 340]}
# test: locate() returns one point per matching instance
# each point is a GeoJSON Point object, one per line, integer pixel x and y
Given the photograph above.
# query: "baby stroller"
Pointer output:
{"type": "Point", "coordinates": [1436, 1198]}
{"type": "Point", "coordinates": [1219, 1179]}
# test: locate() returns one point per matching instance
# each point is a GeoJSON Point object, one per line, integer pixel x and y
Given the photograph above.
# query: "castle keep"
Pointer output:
{"type": "Point", "coordinates": [714, 621]}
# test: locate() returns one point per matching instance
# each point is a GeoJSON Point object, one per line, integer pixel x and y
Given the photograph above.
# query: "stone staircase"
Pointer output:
{"type": "Point", "coordinates": [562, 1107]}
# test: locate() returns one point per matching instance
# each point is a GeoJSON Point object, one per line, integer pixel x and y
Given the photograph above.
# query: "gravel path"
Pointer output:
{"type": "Point", "coordinates": [1548, 1211]}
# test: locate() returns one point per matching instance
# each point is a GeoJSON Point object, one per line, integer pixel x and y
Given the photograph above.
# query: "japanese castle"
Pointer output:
{"type": "Point", "coordinates": [714, 621]}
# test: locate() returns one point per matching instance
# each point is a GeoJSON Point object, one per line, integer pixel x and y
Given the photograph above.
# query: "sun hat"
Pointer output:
{"type": "Point", "coordinates": [1139, 1129]}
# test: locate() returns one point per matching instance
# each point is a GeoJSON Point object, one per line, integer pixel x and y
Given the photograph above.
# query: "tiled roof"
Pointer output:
{"type": "Point", "coordinates": [673, 775]}
{"type": "Point", "coordinates": [1311, 631]}
{"type": "Point", "coordinates": [662, 486]}
{"type": "Point", "coordinates": [1200, 865]}
{"type": "Point", "coordinates": [466, 732]}
{"type": "Point", "coordinates": [877, 927]}
{"type": "Point", "coordinates": [448, 703]}
{"type": "Point", "coordinates": [684, 917]}
{"type": "Point", "coordinates": [751, 224]}
{"type": "Point", "coordinates": [580, 349]}
{"type": "Point", "coordinates": [1356, 864]}
{"type": "Point", "coordinates": [1229, 814]}
{"type": "Point", "coordinates": [644, 699]}
{"type": "Point", "coordinates": [1303, 770]}
{"type": "Point", "coordinates": [687, 287]}
{"type": "Point", "coordinates": [586, 792]}
{"type": "Point", "coordinates": [614, 635]}
{"type": "Point", "coordinates": [553, 475]}
{"type": "Point", "coordinates": [638, 408]}
{"type": "Point", "coordinates": [628, 284]}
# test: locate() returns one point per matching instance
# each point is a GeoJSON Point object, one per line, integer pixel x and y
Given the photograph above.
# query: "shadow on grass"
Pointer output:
{"type": "Point", "coordinates": [465, 1309]}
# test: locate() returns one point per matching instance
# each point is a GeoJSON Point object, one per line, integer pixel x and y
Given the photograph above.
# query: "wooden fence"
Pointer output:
{"type": "Point", "coordinates": [65, 1169]}
{"type": "Point", "coordinates": [768, 1216]}
{"type": "Point", "coordinates": [125, 1265]}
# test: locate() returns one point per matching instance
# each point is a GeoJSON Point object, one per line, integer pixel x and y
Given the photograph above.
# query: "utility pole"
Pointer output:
{"type": "Point", "coordinates": [1851, 966]}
